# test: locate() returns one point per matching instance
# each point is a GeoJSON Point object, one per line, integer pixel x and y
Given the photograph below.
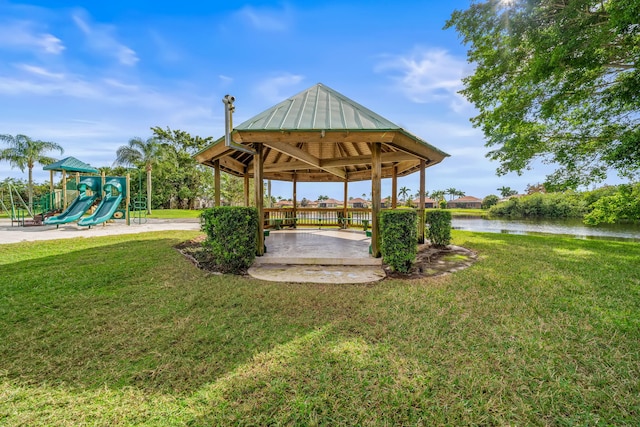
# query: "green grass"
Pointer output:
{"type": "Point", "coordinates": [122, 330]}
{"type": "Point", "coordinates": [466, 212]}
{"type": "Point", "coordinates": [174, 213]}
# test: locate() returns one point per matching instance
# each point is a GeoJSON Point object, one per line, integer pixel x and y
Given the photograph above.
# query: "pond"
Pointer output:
{"type": "Point", "coordinates": [565, 227]}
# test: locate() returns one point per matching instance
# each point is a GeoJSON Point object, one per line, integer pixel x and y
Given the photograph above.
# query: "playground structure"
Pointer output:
{"type": "Point", "coordinates": [13, 204]}
{"type": "Point", "coordinates": [112, 192]}
{"type": "Point", "coordinates": [115, 190]}
{"type": "Point", "coordinates": [89, 189]}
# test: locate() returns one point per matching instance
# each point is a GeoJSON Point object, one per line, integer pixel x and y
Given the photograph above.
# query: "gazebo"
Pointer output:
{"type": "Point", "coordinates": [319, 135]}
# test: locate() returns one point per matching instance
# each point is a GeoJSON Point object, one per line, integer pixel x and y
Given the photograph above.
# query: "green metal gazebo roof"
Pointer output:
{"type": "Point", "coordinates": [320, 135]}
{"type": "Point", "coordinates": [71, 164]}
{"type": "Point", "coordinates": [318, 107]}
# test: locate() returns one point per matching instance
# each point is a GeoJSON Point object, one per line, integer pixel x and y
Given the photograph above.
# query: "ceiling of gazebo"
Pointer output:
{"type": "Point", "coordinates": [319, 135]}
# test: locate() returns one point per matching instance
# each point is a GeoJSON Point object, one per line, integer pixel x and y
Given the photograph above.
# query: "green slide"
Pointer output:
{"type": "Point", "coordinates": [108, 205]}
{"type": "Point", "coordinates": [80, 204]}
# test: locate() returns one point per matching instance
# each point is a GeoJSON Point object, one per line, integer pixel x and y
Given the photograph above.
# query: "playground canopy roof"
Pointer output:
{"type": "Point", "coordinates": [70, 164]}
{"type": "Point", "coordinates": [320, 135]}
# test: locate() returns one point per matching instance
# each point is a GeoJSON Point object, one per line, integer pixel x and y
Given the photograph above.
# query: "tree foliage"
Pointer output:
{"type": "Point", "coordinates": [556, 81]}
{"type": "Point", "coordinates": [23, 152]}
{"type": "Point", "coordinates": [181, 178]}
{"type": "Point", "coordinates": [142, 154]}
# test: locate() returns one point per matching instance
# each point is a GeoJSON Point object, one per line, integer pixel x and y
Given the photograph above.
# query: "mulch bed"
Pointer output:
{"type": "Point", "coordinates": [429, 262]}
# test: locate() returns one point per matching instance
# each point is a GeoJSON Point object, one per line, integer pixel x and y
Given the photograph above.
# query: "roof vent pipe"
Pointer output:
{"type": "Point", "coordinates": [228, 101]}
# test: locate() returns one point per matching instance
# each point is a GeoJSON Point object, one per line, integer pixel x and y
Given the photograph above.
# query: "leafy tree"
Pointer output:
{"type": "Point", "coordinates": [623, 205]}
{"type": "Point", "coordinates": [558, 82]}
{"type": "Point", "coordinates": [304, 202]}
{"type": "Point", "coordinates": [140, 153]}
{"type": "Point", "coordinates": [506, 191]}
{"type": "Point", "coordinates": [489, 201]}
{"type": "Point", "coordinates": [181, 177]}
{"type": "Point", "coordinates": [23, 151]}
{"type": "Point", "coordinates": [535, 188]}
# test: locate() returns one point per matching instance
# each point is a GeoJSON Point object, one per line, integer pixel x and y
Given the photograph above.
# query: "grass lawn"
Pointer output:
{"type": "Point", "coordinates": [175, 213]}
{"type": "Point", "coordinates": [466, 212]}
{"type": "Point", "coordinates": [122, 330]}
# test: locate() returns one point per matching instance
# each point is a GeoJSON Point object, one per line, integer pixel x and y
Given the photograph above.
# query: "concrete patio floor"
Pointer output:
{"type": "Point", "coordinates": [318, 247]}
{"type": "Point", "coordinates": [318, 256]}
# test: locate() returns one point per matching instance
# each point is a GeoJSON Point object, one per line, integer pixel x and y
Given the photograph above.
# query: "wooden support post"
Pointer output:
{"type": "Point", "coordinates": [295, 198]}
{"type": "Point", "coordinates": [344, 207]}
{"type": "Point", "coordinates": [394, 188]}
{"type": "Point", "coordinates": [216, 182]}
{"type": "Point", "coordinates": [376, 193]}
{"type": "Point", "coordinates": [421, 213]}
{"type": "Point", "coordinates": [258, 186]}
{"type": "Point", "coordinates": [246, 187]}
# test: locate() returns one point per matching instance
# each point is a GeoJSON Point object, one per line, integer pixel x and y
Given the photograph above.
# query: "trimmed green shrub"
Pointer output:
{"type": "Point", "coordinates": [232, 233]}
{"type": "Point", "coordinates": [439, 227]}
{"type": "Point", "coordinates": [398, 239]}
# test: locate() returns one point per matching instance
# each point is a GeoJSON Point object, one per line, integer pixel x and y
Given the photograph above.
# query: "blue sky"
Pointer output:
{"type": "Point", "coordinates": [92, 75]}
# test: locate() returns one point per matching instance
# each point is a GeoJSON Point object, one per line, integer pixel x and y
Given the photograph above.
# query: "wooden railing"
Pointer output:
{"type": "Point", "coordinates": [276, 218]}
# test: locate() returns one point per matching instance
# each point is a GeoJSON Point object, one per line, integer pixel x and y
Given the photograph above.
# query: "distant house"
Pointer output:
{"type": "Point", "coordinates": [466, 202]}
{"type": "Point", "coordinates": [329, 203]}
{"type": "Point", "coordinates": [284, 204]}
{"type": "Point", "coordinates": [358, 203]}
{"type": "Point", "coordinates": [428, 203]}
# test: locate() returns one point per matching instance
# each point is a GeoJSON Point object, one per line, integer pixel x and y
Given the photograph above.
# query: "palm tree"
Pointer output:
{"type": "Point", "coordinates": [26, 152]}
{"type": "Point", "coordinates": [451, 192]}
{"type": "Point", "coordinates": [438, 195]}
{"type": "Point", "coordinates": [139, 152]}
{"type": "Point", "coordinates": [506, 191]}
{"type": "Point", "coordinates": [403, 193]}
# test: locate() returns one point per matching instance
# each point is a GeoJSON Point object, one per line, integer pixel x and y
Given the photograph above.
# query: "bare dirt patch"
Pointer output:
{"type": "Point", "coordinates": [432, 261]}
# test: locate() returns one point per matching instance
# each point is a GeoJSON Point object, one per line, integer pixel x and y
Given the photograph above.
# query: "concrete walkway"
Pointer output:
{"type": "Point", "coordinates": [9, 234]}
{"type": "Point", "coordinates": [299, 256]}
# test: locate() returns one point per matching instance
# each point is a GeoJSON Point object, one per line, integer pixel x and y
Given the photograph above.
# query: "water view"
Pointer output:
{"type": "Point", "coordinates": [568, 227]}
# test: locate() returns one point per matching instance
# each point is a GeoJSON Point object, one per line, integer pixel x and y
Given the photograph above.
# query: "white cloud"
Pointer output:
{"type": "Point", "coordinates": [101, 39]}
{"type": "Point", "coordinates": [39, 71]}
{"type": "Point", "coordinates": [23, 35]}
{"type": "Point", "coordinates": [428, 75]}
{"type": "Point", "coordinates": [266, 19]}
{"type": "Point", "coordinates": [278, 88]}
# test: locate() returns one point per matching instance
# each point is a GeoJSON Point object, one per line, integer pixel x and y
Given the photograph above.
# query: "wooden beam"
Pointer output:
{"type": "Point", "coordinates": [376, 194]}
{"type": "Point", "coordinates": [213, 152]}
{"type": "Point", "coordinates": [258, 187]}
{"type": "Point", "coordinates": [304, 156]}
{"type": "Point", "coordinates": [411, 146]}
{"type": "Point", "coordinates": [268, 136]}
{"type": "Point", "coordinates": [396, 156]}
{"type": "Point", "coordinates": [229, 162]}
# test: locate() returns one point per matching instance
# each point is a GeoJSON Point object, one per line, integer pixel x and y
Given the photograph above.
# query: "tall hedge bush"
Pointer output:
{"type": "Point", "coordinates": [232, 233]}
{"type": "Point", "coordinates": [439, 227]}
{"type": "Point", "coordinates": [398, 239]}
